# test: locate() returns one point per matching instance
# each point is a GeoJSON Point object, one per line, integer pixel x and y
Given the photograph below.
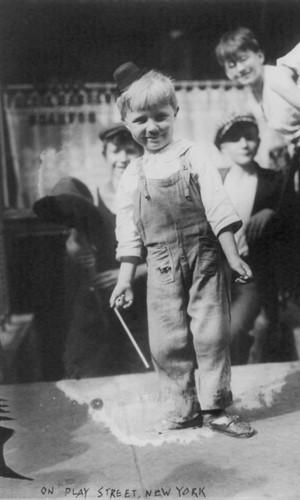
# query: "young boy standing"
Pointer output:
{"type": "Point", "coordinates": [275, 88]}
{"type": "Point", "coordinates": [171, 201]}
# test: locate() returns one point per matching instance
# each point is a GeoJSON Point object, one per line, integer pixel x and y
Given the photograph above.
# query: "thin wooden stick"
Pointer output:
{"type": "Point", "coordinates": [131, 338]}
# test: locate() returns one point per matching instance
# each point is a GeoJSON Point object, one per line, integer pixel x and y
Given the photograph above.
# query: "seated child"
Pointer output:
{"type": "Point", "coordinates": [255, 194]}
{"type": "Point", "coordinates": [275, 88]}
{"type": "Point", "coordinates": [95, 343]}
{"type": "Point", "coordinates": [87, 339]}
{"type": "Point", "coordinates": [171, 202]}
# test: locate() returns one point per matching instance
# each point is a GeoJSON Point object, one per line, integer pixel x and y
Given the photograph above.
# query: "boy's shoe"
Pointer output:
{"type": "Point", "coordinates": [166, 426]}
{"type": "Point", "coordinates": [232, 425]}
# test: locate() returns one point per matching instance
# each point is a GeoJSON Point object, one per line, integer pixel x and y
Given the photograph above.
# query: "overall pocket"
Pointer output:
{"type": "Point", "coordinates": [160, 264]}
{"type": "Point", "coordinates": [209, 257]}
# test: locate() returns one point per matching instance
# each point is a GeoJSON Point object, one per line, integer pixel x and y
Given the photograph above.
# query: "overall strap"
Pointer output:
{"type": "Point", "coordinates": [186, 173]}
{"type": "Point", "coordinates": [142, 177]}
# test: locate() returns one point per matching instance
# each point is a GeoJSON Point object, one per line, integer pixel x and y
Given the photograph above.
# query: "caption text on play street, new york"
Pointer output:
{"type": "Point", "coordinates": [103, 492]}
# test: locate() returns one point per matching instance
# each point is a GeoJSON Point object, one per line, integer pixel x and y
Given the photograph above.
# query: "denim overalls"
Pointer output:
{"type": "Point", "coordinates": [187, 296]}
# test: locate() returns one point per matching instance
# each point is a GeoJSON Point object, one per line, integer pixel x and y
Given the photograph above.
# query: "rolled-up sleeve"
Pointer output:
{"type": "Point", "coordinates": [219, 210]}
{"type": "Point", "coordinates": [129, 244]}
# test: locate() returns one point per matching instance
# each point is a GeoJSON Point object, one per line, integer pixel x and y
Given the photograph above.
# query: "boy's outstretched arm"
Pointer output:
{"type": "Point", "coordinates": [122, 295]}
{"type": "Point", "coordinates": [228, 244]}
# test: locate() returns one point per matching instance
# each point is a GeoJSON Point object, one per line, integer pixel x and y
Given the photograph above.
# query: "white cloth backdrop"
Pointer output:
{"type": "Point", "coordinates": [54, 132]}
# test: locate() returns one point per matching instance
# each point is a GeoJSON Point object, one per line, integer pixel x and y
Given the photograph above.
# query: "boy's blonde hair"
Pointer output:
{"type": "Point", "coordinates": [152, 89]}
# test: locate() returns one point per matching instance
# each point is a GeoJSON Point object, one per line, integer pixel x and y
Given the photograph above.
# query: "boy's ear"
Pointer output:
{"type": "Point", "coordinates": [261, 55]}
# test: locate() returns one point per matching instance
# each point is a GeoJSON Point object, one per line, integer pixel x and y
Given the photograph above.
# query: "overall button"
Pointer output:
{"type": "Point", "coordinates": [164, 269]}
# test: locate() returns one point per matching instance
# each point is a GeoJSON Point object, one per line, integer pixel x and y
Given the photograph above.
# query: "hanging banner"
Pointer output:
{"type": "Point", "coordinates": [52, 135]}
{"type": "Point", "coordinates": [54, 132]}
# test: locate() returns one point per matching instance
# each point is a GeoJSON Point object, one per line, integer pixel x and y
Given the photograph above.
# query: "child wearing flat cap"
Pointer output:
{"type": "Point", "coordinates": [256, 194]}
{"type": "Point", "coordinates": [118, 149]}
{"type": "Point", "coordinates": [172, 203]}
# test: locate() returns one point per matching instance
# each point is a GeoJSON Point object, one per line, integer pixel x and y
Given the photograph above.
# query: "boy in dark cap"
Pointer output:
{"type": "Point", "coordinates": [255, 194]}
{"type": "Point", "coordinates": [118, 149]}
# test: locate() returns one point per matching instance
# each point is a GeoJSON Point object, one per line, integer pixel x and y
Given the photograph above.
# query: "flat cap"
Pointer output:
{"type": "Point", "coordinates": [229, 120]}
{"type": "Point", "coordinates": [112, 130]}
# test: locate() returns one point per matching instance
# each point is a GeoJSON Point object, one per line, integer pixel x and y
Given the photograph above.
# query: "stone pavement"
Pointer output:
{"type": "Point", "coordinates": [94, 438]}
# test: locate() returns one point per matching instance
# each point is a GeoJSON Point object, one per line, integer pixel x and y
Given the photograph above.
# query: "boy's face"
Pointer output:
{"type": "Point", "coordinates": [240, 144]}
{"type": "Point", "coordinates": [118, 156]}
{"type": "Point", "coordinates": [246, 68]}
{"type": "Point", "coordinates": [153, 129]}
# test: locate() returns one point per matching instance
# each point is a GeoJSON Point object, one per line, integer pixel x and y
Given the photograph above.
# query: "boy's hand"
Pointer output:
{"type": "Point", "coordinates": [242, 270]}
{"type": "Point", "coordinates": [257, 223]}
{"type": "Point", "coordinates": [122, 296]}
{"type": "Point", "coordinates": [106, 279]}
{"type": "Point", "coordinates": [86, 259]}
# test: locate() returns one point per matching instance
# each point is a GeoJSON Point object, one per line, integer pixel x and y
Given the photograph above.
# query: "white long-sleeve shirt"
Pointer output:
{"type": "Point", "coordinates": [241, 186]}
{"type": "Point", "coordinates": [204, 161]}
{"type": "Point", "coordinates": [281, 114]}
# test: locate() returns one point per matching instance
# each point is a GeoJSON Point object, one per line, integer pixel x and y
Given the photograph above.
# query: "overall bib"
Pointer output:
{"type": "Point", "coordinates": [187, 295]}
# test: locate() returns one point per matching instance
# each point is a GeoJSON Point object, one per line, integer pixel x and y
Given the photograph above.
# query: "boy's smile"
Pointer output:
{"type": "Point", "coordinates": [152, 128]}
{"type": "Point", "coordinates": [246, 68]}
{"type": "Point", "coordinates": [118, 158]}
